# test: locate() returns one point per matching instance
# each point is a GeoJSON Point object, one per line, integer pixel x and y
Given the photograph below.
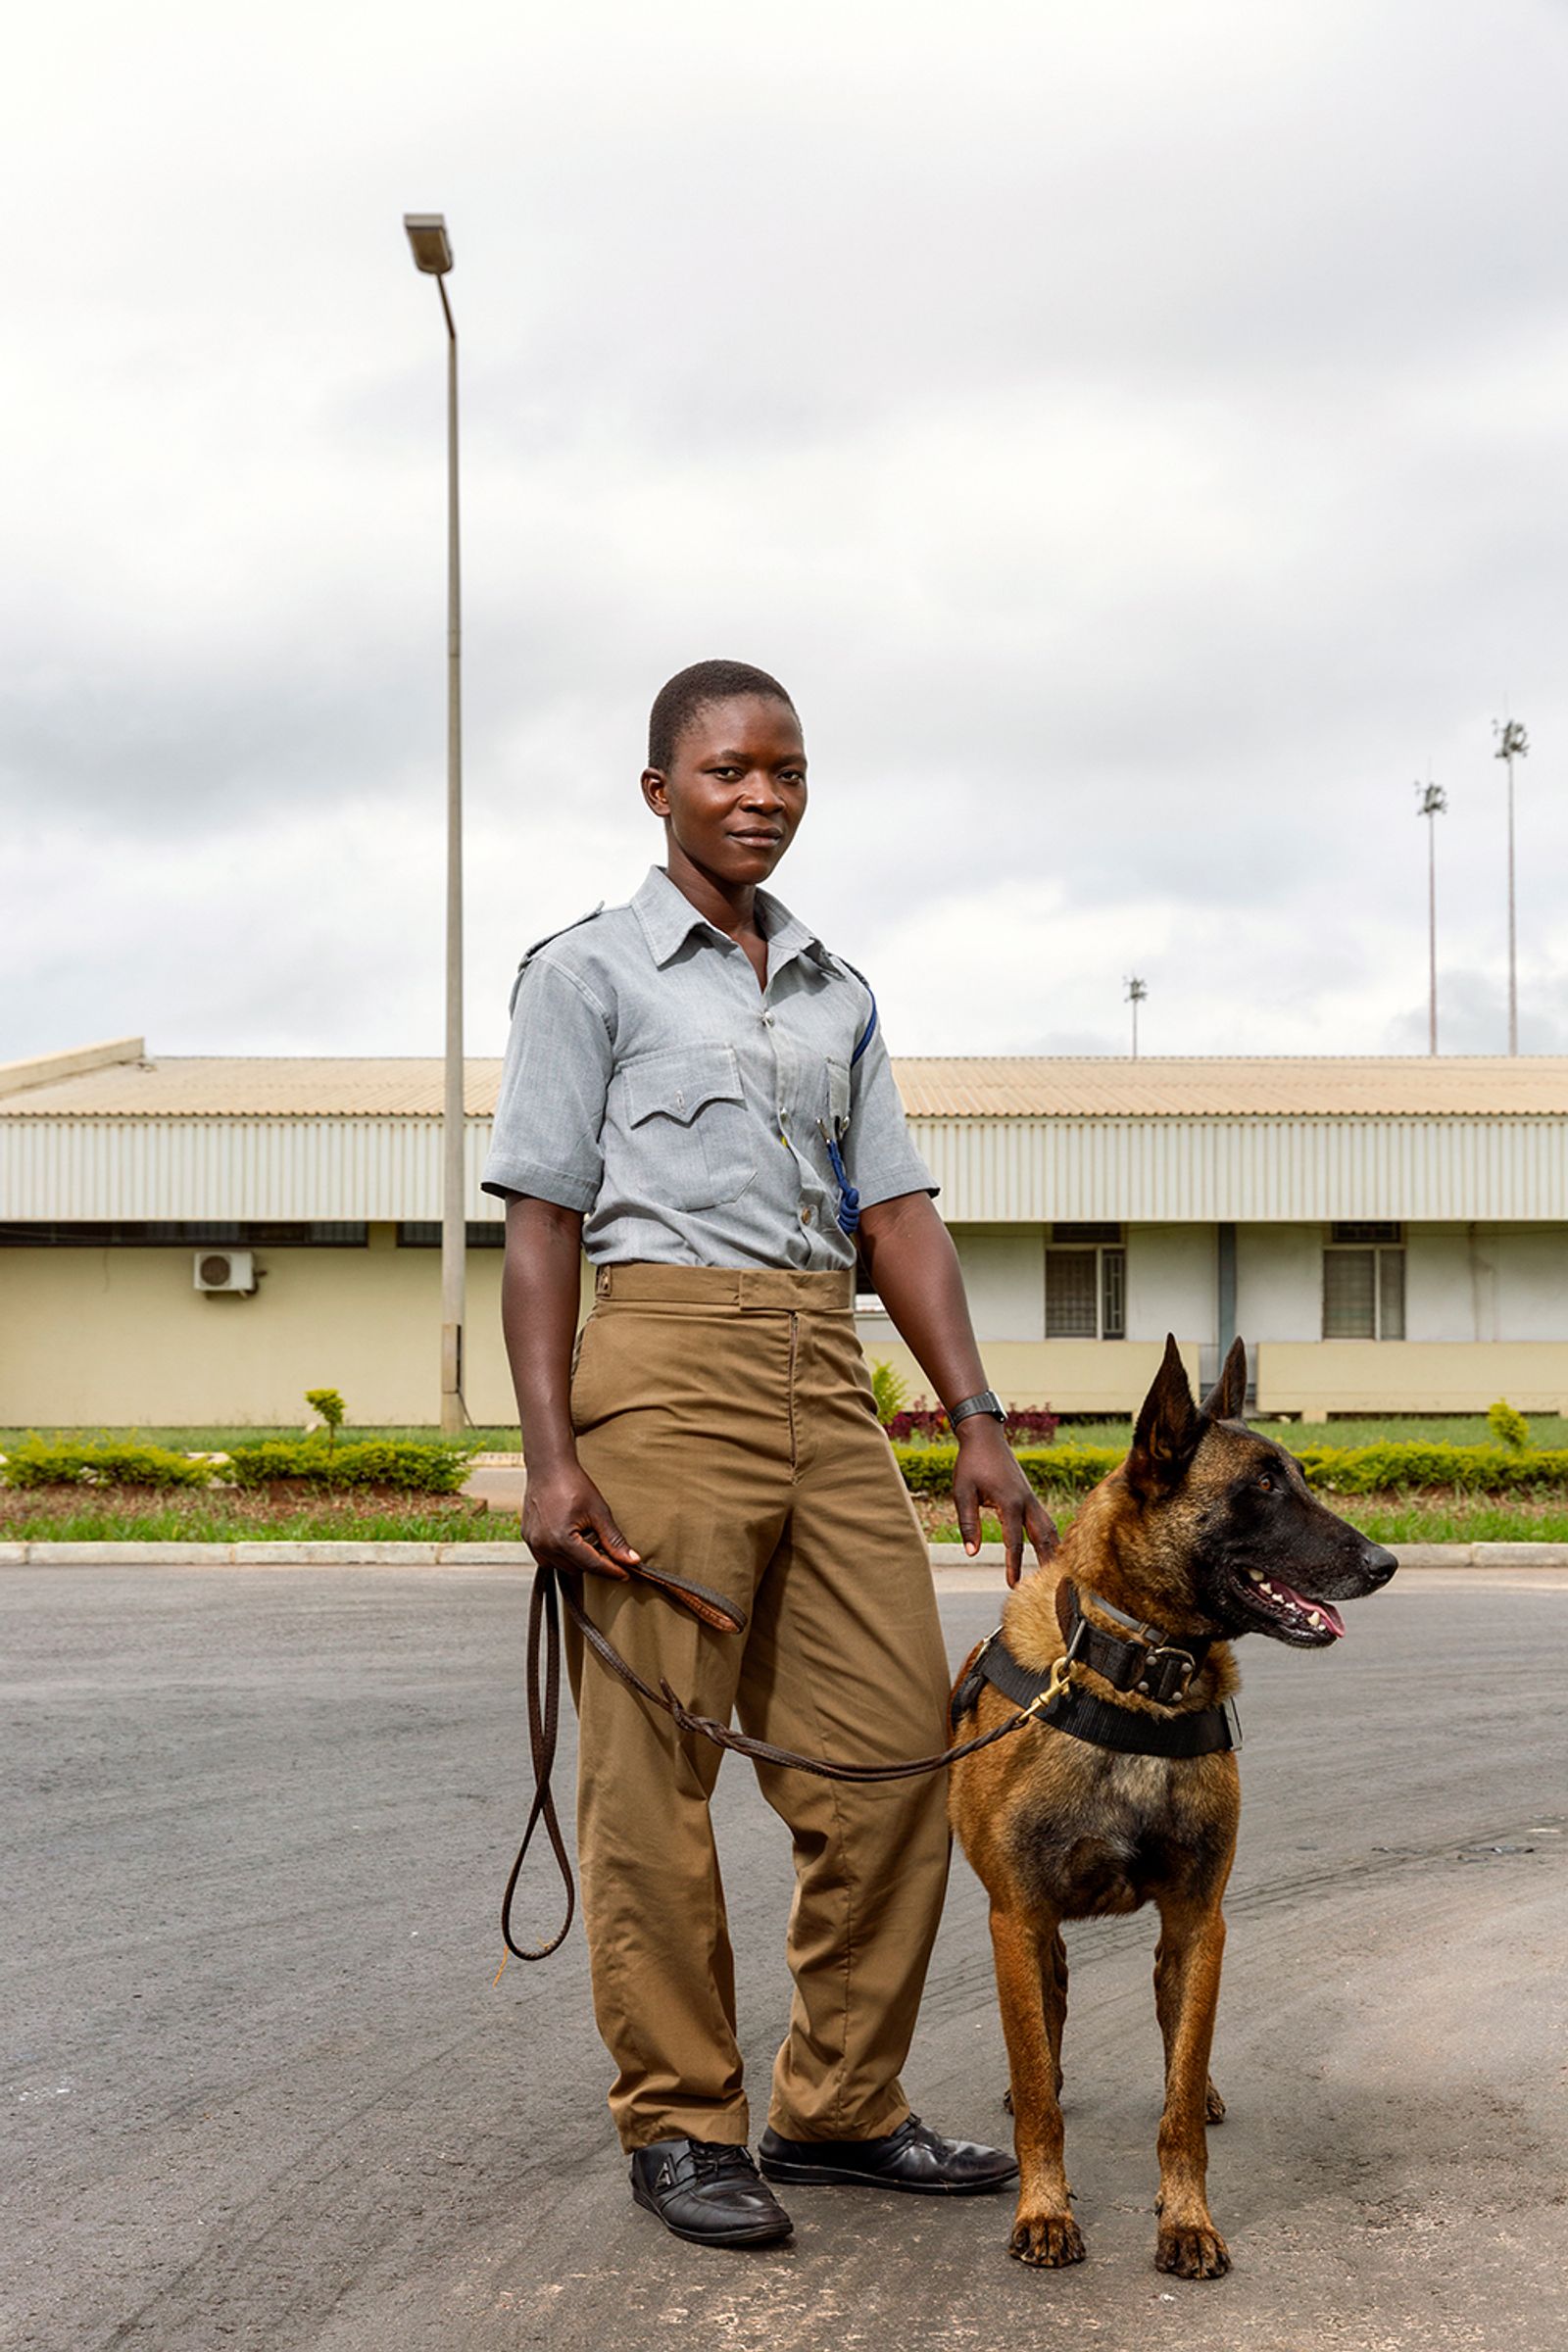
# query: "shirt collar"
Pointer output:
{"type": "Point", "coordinates": [669, 918]}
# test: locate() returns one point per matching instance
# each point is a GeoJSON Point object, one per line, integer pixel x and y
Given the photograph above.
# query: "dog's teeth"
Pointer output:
{"type": "Point", "coordinates": [1256, 1575]}
{"type": "Point", "coordinates": [1314, 1618]}
{"type": "Point", "coordinates": [1267, 1587]}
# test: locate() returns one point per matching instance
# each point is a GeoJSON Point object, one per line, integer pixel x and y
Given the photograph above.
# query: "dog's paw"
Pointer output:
{"type": "Point", "coordinates": [1213, 2106]}
{"type": "Point", "coordinates": [1047, 2241]}
{"type": "Point", "coordinates": [1192, 2253]}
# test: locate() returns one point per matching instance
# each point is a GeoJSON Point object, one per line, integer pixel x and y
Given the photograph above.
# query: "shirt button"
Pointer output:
{"type": "Point", "coordinates": [767, 1019]}
{"type": "Point", "coordinates": [806, 1216]}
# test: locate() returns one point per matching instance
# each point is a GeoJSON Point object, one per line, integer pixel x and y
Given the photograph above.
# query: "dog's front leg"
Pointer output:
{"type": "Point", "coordinates": [1043, 2230]}
{"type": "Point", "coordinates": [1187, 1966]}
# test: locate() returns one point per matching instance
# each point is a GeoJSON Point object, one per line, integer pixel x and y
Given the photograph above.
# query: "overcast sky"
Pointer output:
{"type": "Point", "coordinates": [1138, 436]}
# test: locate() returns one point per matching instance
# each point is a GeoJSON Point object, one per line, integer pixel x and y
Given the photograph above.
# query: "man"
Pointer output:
{"type": "Point", "coordinates": [697, 1092]}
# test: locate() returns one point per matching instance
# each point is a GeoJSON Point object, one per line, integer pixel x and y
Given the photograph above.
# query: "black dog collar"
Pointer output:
{"type": "Point", "coordinates": [1155, 1665]}
{"type": "Point", "coordinates": [1127, 1730]}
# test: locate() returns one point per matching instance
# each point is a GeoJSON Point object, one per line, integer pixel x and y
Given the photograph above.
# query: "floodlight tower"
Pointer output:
{"type": "Point", "coordinates": [1434, 801]}
{"type": "Point", "coordinates": [1136, 993]}
{"type": "Point", "coordinates": [1512, 743]}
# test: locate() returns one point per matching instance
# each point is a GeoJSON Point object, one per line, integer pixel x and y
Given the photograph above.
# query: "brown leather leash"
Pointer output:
{"type": "Point", "coordinates": [544, 1715]}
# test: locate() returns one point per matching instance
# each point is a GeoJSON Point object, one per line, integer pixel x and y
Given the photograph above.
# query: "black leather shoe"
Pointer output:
{"type": "Point", "coordinates": [913, 2158]}
{"type": "Point", "coordinates": [709, 2191]}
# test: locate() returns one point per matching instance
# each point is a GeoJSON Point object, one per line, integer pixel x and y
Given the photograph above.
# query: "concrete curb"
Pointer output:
{"type": "Point", "coordinates": [1408, 1555]}
{"type": "Point", "coordinates": [517, 1555]}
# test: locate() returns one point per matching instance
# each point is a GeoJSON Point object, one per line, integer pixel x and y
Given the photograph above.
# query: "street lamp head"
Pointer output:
{"type": "Point", "coordinates": [1512, 740]}
{"type": "Point", "coordinates": [1434, 799]}
{"type": "Point", "coordinates": [432, 247]}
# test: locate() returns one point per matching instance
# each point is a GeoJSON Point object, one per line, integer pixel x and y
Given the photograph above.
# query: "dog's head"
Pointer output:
{"type": "Point", "coordinates": [1219, 1522]}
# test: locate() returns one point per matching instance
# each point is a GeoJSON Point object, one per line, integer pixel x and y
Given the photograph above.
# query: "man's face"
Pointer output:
{"type": "Point", "coordinates": [735, 791]}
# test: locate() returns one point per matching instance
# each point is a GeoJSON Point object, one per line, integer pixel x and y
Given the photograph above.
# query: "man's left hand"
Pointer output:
{"type": "Point", "coordinates": [990, 1476]}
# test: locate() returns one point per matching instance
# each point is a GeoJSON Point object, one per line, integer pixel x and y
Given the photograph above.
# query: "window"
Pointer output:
{"type": "Point", "coordinates": [1086, 1292]}
{"type": "Point", "coordinates": [1363, 1291]}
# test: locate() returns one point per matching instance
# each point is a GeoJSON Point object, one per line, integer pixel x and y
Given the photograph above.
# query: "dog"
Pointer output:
{"type": "Point", "coordinates": [1206, 1532]}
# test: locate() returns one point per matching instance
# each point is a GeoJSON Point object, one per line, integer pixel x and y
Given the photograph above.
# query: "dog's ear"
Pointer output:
{"type": "Point", "coordinates": [1168, 1429]}
{"type": "Point", "coordinates": [1227, 1398]}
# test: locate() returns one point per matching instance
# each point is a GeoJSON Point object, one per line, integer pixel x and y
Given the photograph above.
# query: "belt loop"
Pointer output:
{"type": "Point", "coordinates": [602, 1287]}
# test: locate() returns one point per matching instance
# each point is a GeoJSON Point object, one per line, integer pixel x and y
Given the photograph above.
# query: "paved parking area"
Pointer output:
{"type": "Point", "coordinates": [263, 2093]}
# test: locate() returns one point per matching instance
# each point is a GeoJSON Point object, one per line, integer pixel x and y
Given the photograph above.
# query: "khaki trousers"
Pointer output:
{"type": "Point", "coordinates": [726, 1416]}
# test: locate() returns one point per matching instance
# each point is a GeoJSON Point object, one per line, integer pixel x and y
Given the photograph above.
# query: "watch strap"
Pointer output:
{"type": "Point", "coordinates": [988, 1401]}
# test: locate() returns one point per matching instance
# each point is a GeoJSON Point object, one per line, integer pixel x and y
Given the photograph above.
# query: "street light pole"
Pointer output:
{"type": "Point", "coordinates": [1136, 993]}
{"type": "Point", "coordinates": [1434, 801]}
{"type": "Point", "coordinates": [432, 254]}
{"type": "Point", "coordinates": [1512, 743]}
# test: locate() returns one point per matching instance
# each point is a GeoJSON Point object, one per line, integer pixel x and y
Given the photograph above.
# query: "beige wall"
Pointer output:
{"type": "Point", "coordinates": [121, 1337]}
{"type": "Point", "coordinates": [1411, 1376]}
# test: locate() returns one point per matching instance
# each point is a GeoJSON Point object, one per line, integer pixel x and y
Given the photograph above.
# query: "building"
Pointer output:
{"type": "Point", "coordinates": [1387, 1235]}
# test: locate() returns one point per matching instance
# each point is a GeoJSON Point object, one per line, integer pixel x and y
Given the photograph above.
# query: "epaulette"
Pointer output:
{"type": "Point", "coordinates": [533, 951]}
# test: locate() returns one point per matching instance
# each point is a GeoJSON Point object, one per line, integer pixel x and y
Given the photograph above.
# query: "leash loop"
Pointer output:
{"type": "Point", "coordinates": [544, 1719]}
{"type": "Point", "coordinates": [544, 1705]}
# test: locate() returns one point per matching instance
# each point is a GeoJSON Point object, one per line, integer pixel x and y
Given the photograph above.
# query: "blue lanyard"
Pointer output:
{"type": "Point", "coordinates": [849, 1197]}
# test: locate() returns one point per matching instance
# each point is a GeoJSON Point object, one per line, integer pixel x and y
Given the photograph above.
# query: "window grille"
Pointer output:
{"type": "Point", "coordinates": [1113, 1293]}
{"type": "Point", "coordinates": [1071, 1283]}
{"type": "Point", "coordinates": [1086, 1294]}
{"type": "Point", "coordinates": [1363, 1293]}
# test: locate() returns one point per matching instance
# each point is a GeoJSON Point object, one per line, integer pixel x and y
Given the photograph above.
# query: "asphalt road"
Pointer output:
{"type": "Point", "coordinates": [263, 2093]}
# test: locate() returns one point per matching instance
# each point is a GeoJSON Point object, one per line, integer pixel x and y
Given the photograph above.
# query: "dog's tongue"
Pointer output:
{"type": "Point", "coordinates": [1330, 1616]}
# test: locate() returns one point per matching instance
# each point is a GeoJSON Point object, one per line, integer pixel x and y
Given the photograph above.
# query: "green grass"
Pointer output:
{"type": "Point", "coordinates": [199, 1519]}
{"type": "Point", "coordinates": [1386, 1519]}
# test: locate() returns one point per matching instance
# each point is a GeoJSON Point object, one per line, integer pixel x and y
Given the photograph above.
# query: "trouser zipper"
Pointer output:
{"type": "Point", "coordinates": [795, 1335]}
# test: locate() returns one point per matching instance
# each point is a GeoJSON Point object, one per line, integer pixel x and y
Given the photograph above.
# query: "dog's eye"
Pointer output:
{"type": "Point", "coordinates": [1267, 1482]}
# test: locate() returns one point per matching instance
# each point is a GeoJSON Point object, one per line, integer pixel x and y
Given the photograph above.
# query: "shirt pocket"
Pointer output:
{"type": "Point", "coordinates": [695, 1142]}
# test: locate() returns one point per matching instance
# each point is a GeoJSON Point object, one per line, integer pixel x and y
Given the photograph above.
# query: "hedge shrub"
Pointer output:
{"type": "Point", "coordinates": [402, 1463]}
{"type": "Point", "coordinates": [1059, 1469]}
{"type": "Point", "coordinates": [1467, 1469]}
{"type": "Point", "coordinates": [1333, 1469]}
{"type": "Point", "coordinates": [65, 1462]}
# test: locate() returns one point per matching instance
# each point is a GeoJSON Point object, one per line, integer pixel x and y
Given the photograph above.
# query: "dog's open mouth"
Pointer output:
{"type": "Point", "coordinates": [1289, 1612]}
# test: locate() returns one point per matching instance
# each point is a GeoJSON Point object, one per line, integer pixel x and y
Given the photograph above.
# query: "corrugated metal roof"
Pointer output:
{"type": "Point", "coordinates": [260, 1086]}
{"type": "Point", "coordinates": [1223, 1085]}
{"type": "Point", "coordinates": [950, 1087]}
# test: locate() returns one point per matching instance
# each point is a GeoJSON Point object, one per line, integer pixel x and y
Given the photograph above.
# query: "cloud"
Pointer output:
{"type": "Point", "coordinates": [1133, 434]}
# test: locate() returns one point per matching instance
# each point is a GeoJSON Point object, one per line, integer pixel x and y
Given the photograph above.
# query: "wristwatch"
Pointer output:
{"type": "Point", "coordinates": [988, 1401]}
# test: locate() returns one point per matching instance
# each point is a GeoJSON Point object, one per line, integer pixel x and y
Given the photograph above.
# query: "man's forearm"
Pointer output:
{"type": "Point", "coordinates": [540, 1288]}
{"type": "Point", "coordinates": [910, 1255]}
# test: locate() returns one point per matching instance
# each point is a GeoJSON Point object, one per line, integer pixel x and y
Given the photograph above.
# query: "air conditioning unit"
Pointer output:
{"type": "Point", "coordinates": [226, 1270]}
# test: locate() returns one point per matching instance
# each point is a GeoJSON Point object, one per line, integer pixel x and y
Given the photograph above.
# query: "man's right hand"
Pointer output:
{"type": "Point", "coordinates": [567, 1523]}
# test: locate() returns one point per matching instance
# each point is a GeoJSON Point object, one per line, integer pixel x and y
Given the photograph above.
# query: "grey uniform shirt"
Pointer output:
{"type": "Point", "coordinates": [650, 1083]}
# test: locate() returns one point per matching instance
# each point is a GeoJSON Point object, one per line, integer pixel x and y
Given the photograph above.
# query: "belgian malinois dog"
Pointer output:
{"type": "Point", "coordinates": [1206, 1532]}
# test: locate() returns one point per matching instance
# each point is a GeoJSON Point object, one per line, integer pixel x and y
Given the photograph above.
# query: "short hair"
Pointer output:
{"type": "Point", "coordinates": [689, 691]}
